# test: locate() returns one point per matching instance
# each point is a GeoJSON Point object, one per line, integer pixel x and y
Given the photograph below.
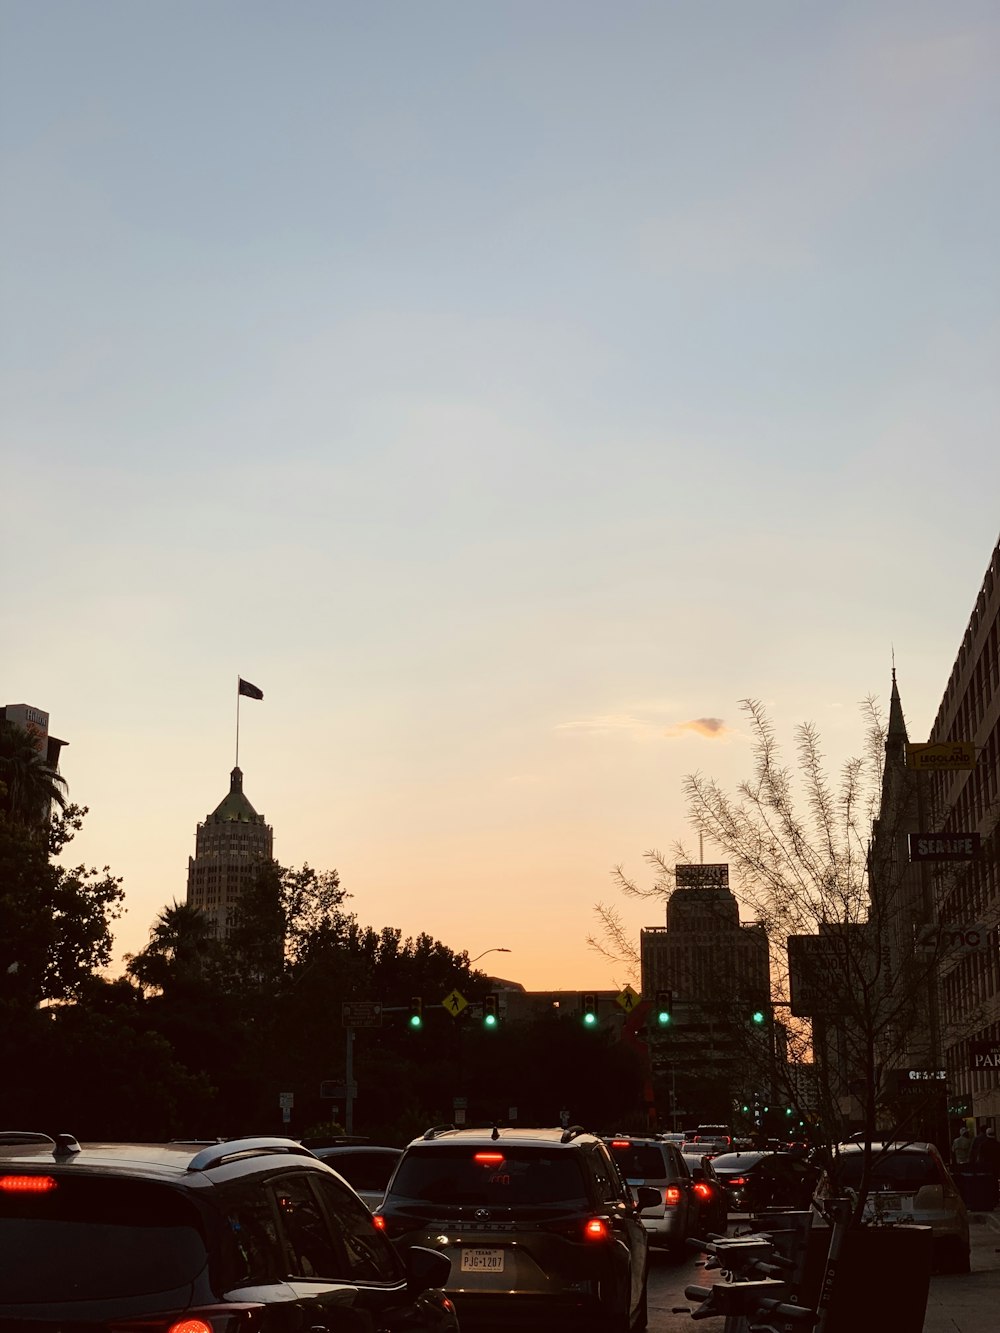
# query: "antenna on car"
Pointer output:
{"type": "Point", "coordinates": [496, 1132]}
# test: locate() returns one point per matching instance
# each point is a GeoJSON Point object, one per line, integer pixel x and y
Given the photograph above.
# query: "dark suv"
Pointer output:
{"type": "Point", "coordinates": [535, 1222]}
{"type": "Point", "coordinates": [244, 1236]}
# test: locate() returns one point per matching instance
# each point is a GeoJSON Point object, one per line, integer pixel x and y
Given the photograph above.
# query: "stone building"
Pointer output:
{"type": "Point", "coordinates": [230, 848]}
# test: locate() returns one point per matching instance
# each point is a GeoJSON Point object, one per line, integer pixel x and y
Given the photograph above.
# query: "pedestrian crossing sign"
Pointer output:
{"type": "Point", "coordinates": [455, 1003]}
{"type": "Point", "coordinates": [627, 998]}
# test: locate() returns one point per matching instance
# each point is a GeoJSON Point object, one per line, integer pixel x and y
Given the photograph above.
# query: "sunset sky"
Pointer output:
{"type": "Point", "coordinates": [507, 390]}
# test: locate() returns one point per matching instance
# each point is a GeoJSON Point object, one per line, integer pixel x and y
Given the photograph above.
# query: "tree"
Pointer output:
{"type": "Point", "coordinates": [55, 922]}
{"type": "Point", "coordinates": [29, 785]}
{"type": "Point", "coordinates": [181, 949]}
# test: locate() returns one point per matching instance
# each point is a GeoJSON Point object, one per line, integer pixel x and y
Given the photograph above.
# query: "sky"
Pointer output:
{"type": "Point", "coordinates": [507, 390]}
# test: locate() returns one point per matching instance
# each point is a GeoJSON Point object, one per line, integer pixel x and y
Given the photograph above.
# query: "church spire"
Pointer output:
{"type": "Point", "coordinates": [896, 738]}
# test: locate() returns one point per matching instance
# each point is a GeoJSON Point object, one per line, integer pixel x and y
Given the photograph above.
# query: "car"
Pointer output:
{"type": "Point", "coordinates": [757, 1179]}
{"type": "Point", "coordinates": [249, 1235]}
{"type": "Point", "coordinates": [365, 1166]}
{"type": "Point", "coordinates": [710, 1193]}
{"type": "Point", "coordinates": [910, 1183]}
{"type": "Point", "coordinates": [660, 1166]}
{"type": "Point", "coordinates": [536, 1223]}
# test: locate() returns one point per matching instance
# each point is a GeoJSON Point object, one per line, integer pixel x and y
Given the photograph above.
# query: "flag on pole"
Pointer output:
{"type": "Point", "coordinates": [251, 691]}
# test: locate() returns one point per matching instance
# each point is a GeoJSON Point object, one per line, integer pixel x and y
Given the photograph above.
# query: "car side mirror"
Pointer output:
{"type": "Point", "coordinates": [425, 1268]}
{"type": "Point", "coordinates": [647, 1196]}
{"type": "Point", "coordinates": [698, 1173]}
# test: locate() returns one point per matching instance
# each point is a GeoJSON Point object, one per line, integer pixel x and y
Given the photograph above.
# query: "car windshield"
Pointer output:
{"type": "Point", "coordinates": [498, 1175]}
{"type": "Point", "coordinates": [88, 1238]}
{"type": "Point", "coordinates": [362, 1170]}
{"type": "Point", "coordinates": [897, 1170]}
{"type": "Point", "coordinates": [736, 1161]}
{"type": "Point", "coordinates": [640, 1161]}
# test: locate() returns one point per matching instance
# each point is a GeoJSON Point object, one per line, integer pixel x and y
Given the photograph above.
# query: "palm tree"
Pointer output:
{"type": "Point", "coordinates": [181, 943]}
{"type": "Point", "coordinates": [29, 785]}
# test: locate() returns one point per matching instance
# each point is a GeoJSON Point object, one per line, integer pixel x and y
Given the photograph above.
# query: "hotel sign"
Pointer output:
{"type": "Point", "coordinates": [944, 757]}
{"type": "Point", "coordinates": [702, 877]}
{"type": "Point", "coordinates": [984, 1054]}
{"type": "Point", "coordinates": [944, 846]}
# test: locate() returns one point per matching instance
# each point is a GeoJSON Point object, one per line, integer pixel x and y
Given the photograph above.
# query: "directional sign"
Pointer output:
{"type": "Point", "coordinates": [361, 1014]}
{"type": "Point", "coordinates": [455, 1003]}
{"type": "Point", "coordinates": [628, 999]}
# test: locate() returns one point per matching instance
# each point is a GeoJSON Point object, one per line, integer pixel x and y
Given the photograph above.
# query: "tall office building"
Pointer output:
{"type": "Point", "coordinates": [35, 721]}
{"type": "Point", "coordinates": [230, 848]}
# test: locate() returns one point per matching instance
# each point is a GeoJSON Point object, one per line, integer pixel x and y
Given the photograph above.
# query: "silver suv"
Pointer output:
{"type": "Point", "coordinates": [535, 1222]}
{"type": "Point", "coordinates": [659, 1166]}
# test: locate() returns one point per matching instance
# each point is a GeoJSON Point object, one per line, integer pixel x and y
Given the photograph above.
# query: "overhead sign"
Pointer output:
{"type": "Point", "coordinates": [926, 1075]}
{"type": "Point", "coordinates": [984, 1054]}
{"type": "Point", "coordinates": [944, 846]}
{"type": "Point", "coordinates": [702, 877]}
{"type": "Point", "coordinates": [941, 757]}
{"type": "Point", "coordinates": [455, 1003]}
{"type": "Point", "coordinates": [955, 937]}
{"type": "Point", "coordinates": [361, 1014]}
{"type": "Point", "coordinates": [628, 999]}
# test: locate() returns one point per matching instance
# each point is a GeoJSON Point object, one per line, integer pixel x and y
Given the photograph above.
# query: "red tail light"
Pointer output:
{"type": "Point", "coordinates": [672, 1195]}
{"type": "Point", "coordinates": [737, 1180]}
{"type": "Point", "coordinates": [620, 1143]}
{"type": "Point", "coordinates": [379, 1221]}
{"type": "Point", "coordinates": [597, 1229]}
{"type": "Point", "coordinates": [488, 1158]}
{"type": "Point", "coordinates": [703, 1191]}
{"type": "Point", "coordinates": [27, 1184]}
{"type": "Point", "coordinates": [206, 1319]}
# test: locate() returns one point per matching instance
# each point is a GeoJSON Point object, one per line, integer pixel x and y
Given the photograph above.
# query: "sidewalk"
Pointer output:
{"type": "Point", "coordinates": [969, 1302]}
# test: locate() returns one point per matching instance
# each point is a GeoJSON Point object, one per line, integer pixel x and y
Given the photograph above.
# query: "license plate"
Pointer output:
{"type": "Point", "coordinates": [482, 1261]}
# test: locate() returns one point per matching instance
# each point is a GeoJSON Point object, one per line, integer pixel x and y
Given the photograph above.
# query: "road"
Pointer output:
{"type": "Point", "coordinates": [667, 1280]}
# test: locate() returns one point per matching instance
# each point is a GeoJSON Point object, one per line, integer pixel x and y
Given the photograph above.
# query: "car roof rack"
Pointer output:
{"type": "Point", "coordinates": [568, 1135]}
{"type": "Point", "coordinates": [435, 1130]}
{"type": "Point", "coordinates": [24, 1136]}
{"type": "Point", "coordinates": [231, 1149]}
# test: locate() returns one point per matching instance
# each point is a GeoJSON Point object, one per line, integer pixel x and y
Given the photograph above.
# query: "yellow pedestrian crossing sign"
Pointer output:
{"type": "Point", "coordinates": [628, 999]}
{"type": "Point", "coordinates": [455, 1003]}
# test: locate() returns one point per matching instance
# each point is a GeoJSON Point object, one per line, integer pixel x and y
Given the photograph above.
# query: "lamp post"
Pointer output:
{"type": "Point", "coordinates": [498, 949]}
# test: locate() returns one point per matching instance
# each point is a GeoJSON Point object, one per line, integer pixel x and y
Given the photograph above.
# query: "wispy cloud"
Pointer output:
{"type": "Point", "coordinates": [607, 724]}
{"type": "Point", "coordinates": [712, 728]}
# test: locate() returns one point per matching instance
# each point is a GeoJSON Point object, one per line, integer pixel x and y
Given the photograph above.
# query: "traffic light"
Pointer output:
{"type": "Point", "coordinates": [664, 1007]}
{"type": "Point", "coordinates": [416, 1012]}
{"type": "Point", "coordinates": [491, 1011]}
{"type": "Point", "coordinates": [757, 1017]}
{"type": "Point", "coordinates": [589, 1006]}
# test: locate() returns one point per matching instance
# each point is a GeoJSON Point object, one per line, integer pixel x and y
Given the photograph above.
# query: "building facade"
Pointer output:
{"type": "Point", "coordinates": [231, 846]}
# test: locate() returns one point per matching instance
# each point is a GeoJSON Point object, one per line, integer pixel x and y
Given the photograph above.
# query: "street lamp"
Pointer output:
{"type": "Point", "coordinates": [498, 949]}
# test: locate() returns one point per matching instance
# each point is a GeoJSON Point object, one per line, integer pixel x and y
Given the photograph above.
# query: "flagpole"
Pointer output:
{"type": "Point", "coordinates": [237, 721]}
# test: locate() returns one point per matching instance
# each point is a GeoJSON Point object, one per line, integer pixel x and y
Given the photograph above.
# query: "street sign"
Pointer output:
{"type": "Point", "coordinates": [627, 998]}
{"type": "Point", "coordinates": [944, 846]}
{"type": "Point", "coordinates": [984, 1054]}
{"type": "Point", "coordinates": [332, 1091]}
{"type": "Point", "coordinates": [286, 1100]}
{"type": "Point", "coordinates": [455, 1003]}
{"type": "Point", "coordinates": [942, 757]}
{"type": "Point", "coordinates": [361, 1013]}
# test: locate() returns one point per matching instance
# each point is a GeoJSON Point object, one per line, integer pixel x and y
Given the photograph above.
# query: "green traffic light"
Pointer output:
{"type": "Point", "coordinates": [663, 1018]}
{"type": "Point", "coordinates": [590, 1019]}
{"type": "Point", "coordinates": [416, 1021]}
{"type": "Point", "coordinates": [490, 1021]}
{"type": "Point", "coordinates": [758, 1015]}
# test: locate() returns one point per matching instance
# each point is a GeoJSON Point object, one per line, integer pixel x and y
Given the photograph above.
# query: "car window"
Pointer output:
{"type": "Point", "coordinates": [309, 1245]}
{"type": "Point", "coordinates": [362, 1170]}
{"type": "Point", "coordinates": [253, 1223]}
{"type": "Point", "coordinates": [733, 1161]}
{"type": "Point", "coordinates": [641, 1161]}
{"type": "Point", "coordinates": [499, 1175]}
{"type": "Point", "coordinates": [112, 1237]}
{"type": "Point", "coordinates": [606, 1177]}
{"type": "Point", "coordinates": [897, 1170]}
{"type": "Point", "coordinates": [369, 1254]}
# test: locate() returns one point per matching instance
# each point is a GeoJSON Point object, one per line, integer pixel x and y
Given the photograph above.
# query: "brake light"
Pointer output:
{"type": "Point", "coordinates": [738, 1180]}
{"type": "Point", "coordinates": [702, 1191]}
{"type": "Point", "coordinates": [207, 1319]}
{"type": "Point", "coordinates": [672, 1194]}
{"type": "Point", "coordinates": [596, 1229]}
{"type": "Point", "coordinates": [620, 1143]}
{"type": "Point", "coordinates": [379, 1221]}
{"type": "Point", "coordinates": [27, 1184]}
{"type": "Point", "coordinates": [488, 1158]}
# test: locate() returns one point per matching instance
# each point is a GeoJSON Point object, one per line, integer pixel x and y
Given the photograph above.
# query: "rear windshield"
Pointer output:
{"type": "Point", "coordinates": [736, 1161]}
{"type": "Point", "coordinates": [500, 1176]}
{"type": "Point", "coordinates": [90, 1239]}
{"type": "Point", "coordinates": [640, 1162]}
{"type": "Point", "coordinates": [897, 1170]}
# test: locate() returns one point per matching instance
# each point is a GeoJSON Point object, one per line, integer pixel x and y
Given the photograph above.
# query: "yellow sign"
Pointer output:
{"type": "Point", "coordinates": [455, 1003]}
{"type": "Point", "coordinates": [628, 999]}
{"type": "Point", "coordinates": [944, 757]}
